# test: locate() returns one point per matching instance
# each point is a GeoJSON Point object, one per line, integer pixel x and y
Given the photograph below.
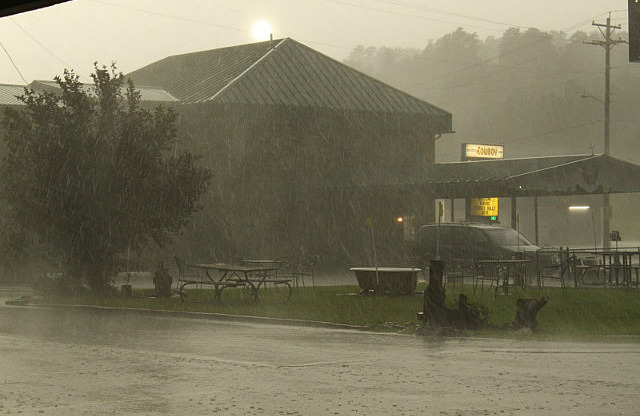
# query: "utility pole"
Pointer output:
{"type": "Point", "coordinates": [607, 44]}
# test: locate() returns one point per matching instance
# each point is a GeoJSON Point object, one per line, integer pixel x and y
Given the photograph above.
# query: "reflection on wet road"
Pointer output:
{"type": "Point", "coordinates": [68, 362]}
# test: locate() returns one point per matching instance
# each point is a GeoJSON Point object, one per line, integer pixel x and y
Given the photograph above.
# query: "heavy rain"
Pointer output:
{"type": "Point", "coordinates": [319, 207]}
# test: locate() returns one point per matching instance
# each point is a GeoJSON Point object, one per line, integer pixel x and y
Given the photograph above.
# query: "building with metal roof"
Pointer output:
{"type": "Point", "coordinates": [8, 94]}
{"type": "Point", "coordinates": [147, 94]}
{"type": "Point", "coordinates": [271, 117]}
{"type": "Point", "coordinates": [281, 73]}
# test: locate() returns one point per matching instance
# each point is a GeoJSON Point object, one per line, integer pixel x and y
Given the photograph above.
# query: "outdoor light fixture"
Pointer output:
{"type": "Point", "coordinates": [579, 208]}
{"type": "Point", "coordinates": [399, 219]}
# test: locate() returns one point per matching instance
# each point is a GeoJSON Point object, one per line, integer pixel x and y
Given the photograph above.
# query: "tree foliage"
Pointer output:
{"type": "Point", "coordinates": [93, 174]}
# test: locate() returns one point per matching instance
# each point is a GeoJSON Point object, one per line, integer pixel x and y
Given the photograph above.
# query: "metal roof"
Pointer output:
{"type": "Point", "coordinates": [537, 176]}
{"type": "Point", "coordinates": [281, 72]}
{"type": "Point", "coordinates": [155, 94]}
{"type": "Point", "coordinates": [9, 92]}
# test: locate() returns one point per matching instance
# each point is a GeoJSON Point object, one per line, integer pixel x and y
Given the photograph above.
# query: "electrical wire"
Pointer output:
{"type": "Point", "coordinates": [413, 16]}
{"type": "Point", "coordinates": [13, 63]}
{"type": "Point", "coordinates": [431, 9]}
{"type": "Point", "coordinates": [538, 135]}
{"type": "Point", "coordinates": [185, 19]}
{"type": "Point", "coordinates": [41, 45]}
{"type": "Point", "coordinates": [386, 52]}
{"type": "Point", "coordinates": [514, 50]}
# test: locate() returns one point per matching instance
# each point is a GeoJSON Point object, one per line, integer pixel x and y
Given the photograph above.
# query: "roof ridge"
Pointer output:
{"type": "Point", "coordinates": [211, 50]}
{"type": "Point", "coordinates": [243, 73]}
{"type": "Point", "coordinates": [582, 159]}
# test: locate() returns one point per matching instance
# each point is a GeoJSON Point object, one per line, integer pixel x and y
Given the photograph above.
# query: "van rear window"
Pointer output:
{"type": "Point", "coordinates": [507, 237]}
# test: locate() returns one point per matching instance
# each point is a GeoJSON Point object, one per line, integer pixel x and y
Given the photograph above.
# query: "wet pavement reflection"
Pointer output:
{"type": "Point", "coordinates": [67, 361]}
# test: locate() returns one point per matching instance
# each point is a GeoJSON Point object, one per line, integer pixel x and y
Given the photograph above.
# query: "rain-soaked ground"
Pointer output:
{"type": "Point", "coordinates": [73, 362]}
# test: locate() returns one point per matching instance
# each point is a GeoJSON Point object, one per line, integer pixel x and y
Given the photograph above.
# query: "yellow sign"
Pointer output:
{"type": "Point", "coordinates": [484, 207]}
{"type": "Point", "coordinates": [483, 151]}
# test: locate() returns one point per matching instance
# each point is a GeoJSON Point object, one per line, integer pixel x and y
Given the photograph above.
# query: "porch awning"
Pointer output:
{"type": "Point", "coordinates": [538, 176]}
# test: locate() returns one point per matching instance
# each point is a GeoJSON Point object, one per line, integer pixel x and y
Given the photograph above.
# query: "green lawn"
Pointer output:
{"type": "Point", "coordinates": [580, 314]}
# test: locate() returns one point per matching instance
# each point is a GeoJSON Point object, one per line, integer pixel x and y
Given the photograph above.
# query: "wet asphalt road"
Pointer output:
{"type": "Point", "coordinates": [84, 362]}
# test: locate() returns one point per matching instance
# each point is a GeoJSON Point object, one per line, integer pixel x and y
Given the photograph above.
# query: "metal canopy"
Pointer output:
{"type": "Point", "coordinates": [541, 176]}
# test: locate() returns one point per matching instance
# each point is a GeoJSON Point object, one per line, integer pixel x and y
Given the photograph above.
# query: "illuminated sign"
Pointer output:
{"type": "Point", "coordinates": [482, 151]}
{"type": "Point", "coordinates": [484, 207]}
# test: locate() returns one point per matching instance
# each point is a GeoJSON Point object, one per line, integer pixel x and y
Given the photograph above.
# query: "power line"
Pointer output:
{"type": "Point", "coordinates": [13, 63]}
{"type": "Point", "coordinates": [360, 6]}
{"type": "Point", "coordinates": [537, 135]}
{"type": "Point", "coordinates": [428, 9]}
{"type": "Point", "coordinates": [501, 55]}
{"type": "Point", "coordinates": [515, 66]}
{"type": "Point", "coordinates": [186, 19]}
{"type": "Point", "coordinates": [41, 45]}
{"type": "Point", "coordinates": [495, 91]}
{"type": "Point", "coordinates": [390, 53]}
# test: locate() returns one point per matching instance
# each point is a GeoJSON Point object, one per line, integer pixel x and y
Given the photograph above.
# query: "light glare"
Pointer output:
{"type": "Point", "coordinates": [579, 208]}
{"type": "Point", "coordinates": [261, 30]}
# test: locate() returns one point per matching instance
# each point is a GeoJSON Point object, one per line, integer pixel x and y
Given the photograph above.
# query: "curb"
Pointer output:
{"type": "Point", "coordinates": [203, 315]}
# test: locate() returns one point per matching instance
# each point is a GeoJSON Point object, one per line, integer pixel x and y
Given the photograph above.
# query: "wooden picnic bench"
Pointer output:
{"type": "Point", "coordinates": [252, 277]}
{"type": "Point", "coordinates": [191, 275]}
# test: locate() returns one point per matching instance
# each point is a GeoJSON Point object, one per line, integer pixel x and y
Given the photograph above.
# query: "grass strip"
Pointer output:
{"type": "Point", "coordinates": [580, 314]}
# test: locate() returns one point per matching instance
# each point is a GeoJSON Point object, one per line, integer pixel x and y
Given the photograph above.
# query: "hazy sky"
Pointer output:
{"type": "Point", "coordinates": [134, 33]}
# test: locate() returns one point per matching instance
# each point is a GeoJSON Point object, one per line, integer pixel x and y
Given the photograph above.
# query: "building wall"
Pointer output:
{"type": "Point", "coordinates": [286, 182]}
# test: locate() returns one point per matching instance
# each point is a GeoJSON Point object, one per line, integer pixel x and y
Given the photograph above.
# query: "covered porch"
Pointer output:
{"type": "Point", "coordinates": [533, 177]}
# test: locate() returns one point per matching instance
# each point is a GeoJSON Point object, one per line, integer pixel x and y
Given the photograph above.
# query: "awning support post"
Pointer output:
{"type": "Point", "coordinates": [535, 219]}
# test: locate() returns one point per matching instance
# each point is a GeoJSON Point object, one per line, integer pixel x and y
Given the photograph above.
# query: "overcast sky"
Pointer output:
{"type": "Point", "coordinates": [134, 33]}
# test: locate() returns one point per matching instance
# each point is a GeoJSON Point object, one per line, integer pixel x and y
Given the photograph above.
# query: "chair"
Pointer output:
{"type": "Point", "coordinates": [186, 274]}
{"type": "Point", "coordinates": [556, 265]}
{"type": "Point", "coordinates": [485, 272]}
{"type": "Point", "coordinates": [298, 272]}
{"type": "Point", "coordinates": [454, 273]}
{"type": "Point", "coordinates": [590, 271]}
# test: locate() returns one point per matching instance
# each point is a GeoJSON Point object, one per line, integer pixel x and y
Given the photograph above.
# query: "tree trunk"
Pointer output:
{"type": "Point", "coordinates": [527, 311]}
{"type": "Point", "coordinates": [434, 296]}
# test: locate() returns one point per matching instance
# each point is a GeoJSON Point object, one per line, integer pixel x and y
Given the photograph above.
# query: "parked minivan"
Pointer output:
{"type": "Point", "coordinates": [460, 243]}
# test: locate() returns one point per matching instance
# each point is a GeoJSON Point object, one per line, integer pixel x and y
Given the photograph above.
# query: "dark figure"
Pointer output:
{"type": "Point", "coordinates": [526, 312]}
{"type": "Point", "coordinates": [162, 281]}
{"type": "Point", "coordinates": [433, 305]}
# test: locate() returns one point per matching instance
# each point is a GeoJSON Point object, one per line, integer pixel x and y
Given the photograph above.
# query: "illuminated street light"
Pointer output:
{"type": "Point", "coordinates": [579, 208]}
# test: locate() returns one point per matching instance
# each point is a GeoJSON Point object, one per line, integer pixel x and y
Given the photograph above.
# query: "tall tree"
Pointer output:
{"type": "Point", "coordinates": [92, 173]}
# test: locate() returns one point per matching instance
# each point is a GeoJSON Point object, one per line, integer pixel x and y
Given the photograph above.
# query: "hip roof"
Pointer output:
{"type": "Point", "coordinates": [281, 72]}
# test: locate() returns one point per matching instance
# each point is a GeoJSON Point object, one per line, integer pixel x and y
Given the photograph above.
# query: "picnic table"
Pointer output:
{"type": "Point", "coordinates": [617, 267]}
{"type": "Point", "coordinates": [223, 275]}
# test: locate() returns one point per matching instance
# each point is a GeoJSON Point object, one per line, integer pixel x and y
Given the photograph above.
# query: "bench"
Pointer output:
{"type": "Point", "coordinates": [218, 287]}
{"type": "Point", "coordinates": [255, 283]}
